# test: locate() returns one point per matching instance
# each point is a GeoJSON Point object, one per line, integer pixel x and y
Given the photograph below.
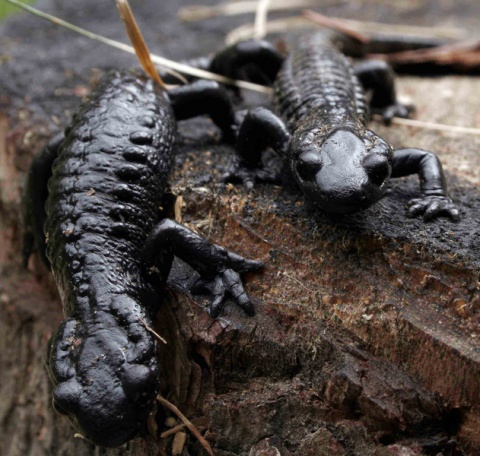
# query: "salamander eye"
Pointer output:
{"type": "Point", "coordinates": [378, 168]}
{"type": "Point", "coordinates": [308, 165]}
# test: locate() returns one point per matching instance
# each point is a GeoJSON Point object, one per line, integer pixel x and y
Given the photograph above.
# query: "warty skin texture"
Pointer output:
{"type": "Point", "coordinates": [324, 105]}
{"type": "Point", "coordinates": [339, 164]}
{"type": "Point", "coordinates": [104, 194]}
{"type": "Point", "coordinates": [110, 252]}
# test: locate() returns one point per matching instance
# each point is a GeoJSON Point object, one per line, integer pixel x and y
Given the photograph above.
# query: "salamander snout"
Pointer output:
{"type": "Point", "coordinates": [105, 382]}
{"type": "Point", "coordinates": [108, 416]}
{"type": "Point", "coordinates": [344, 172]}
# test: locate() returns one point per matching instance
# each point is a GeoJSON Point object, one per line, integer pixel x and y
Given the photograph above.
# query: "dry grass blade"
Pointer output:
{"type": "Point", "coordinates": [138, 42]}
{"type": "Point", "coordinates": [187, 423]}
{"type": "Point", "coordinates": [299, 22]}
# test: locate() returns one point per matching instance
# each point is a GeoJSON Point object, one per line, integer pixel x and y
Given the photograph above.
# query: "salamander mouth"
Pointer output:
{"type": "Point", "coordinates": [344, 202]}
{"type": "Point", "coordinates": [343, 209]}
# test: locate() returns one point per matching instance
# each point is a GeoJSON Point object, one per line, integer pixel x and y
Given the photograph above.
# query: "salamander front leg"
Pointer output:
{"type": "Point", "coordinates": [219, 269]}
{"type": "Point", "coordinates": [205, 97]}
{"type": "Point", "coordinates": [434, 201]}
{"type": "Point", "coordinates": [378, 76]}
{"type": "Point", "coordinates": [260, 129]}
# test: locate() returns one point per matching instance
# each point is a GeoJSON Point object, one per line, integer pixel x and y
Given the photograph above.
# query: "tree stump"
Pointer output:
{"type": "Point", "coordinates": [366, 339]}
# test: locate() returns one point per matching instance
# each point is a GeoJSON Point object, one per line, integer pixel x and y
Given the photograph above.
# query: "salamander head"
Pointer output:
{"type": "Point", "coordinates": [342, 173]}
{"type": "Point", "coordinates": [106, 382]}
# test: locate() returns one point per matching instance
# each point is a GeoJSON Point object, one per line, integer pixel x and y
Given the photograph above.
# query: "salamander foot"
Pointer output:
{"type": "Point", "coordinates": [396, 110]}
{"type": "Point", "coordinates": [219, 269]}
{"type": "Point", "coordinates": [432, 207]}
{"type": "Point", "coordinates": [227, 283]}
{"type": "Point", "coordinates": [239, 171]}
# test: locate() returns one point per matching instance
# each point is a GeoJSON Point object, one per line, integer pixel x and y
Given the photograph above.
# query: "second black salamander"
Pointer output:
{"type": "Point", "coordinates": [339, 164]}
{"type": "Point", "coordinates": [110, 253]}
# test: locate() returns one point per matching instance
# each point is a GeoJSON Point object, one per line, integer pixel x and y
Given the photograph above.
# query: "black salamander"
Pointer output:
{"type": "Point", "coordinates": [339, 164]}
{"type": "Point", "coordinates": [110, 253]}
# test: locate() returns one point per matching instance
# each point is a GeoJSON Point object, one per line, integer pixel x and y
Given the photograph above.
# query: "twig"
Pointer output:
{"type": "Point", "coordinates": [148, 328]}
{"type": "Point", "coordinates": [433, 126]}
{"type": "Point", "coordinates": [335, 24]}
{"type": "Point", "coordinates": [166, 63]}
{"type": "Point", "coordinates": [246, 31]}
{"type": "Point", "coordinates": [187, 423]}
{"type": "Point", "coordinates": [298, 22]}
{"type": "Point", "coordinates": [177, 208]}
{"type": "Point", "coordinates": [462, 53]}
{"type": "Point", "coordinates": [260, 25]}
{"type": "Point", "coordinates": [171, 431]}
{"type": "Point", "coordinates": [198, 12]}
{"type": "Point", "coordinates": [402, 29]}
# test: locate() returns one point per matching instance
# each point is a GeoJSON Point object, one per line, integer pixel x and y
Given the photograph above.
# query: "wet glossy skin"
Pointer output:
{"type": "Point", "coordinates": [320, 97]}
{"type": "Point", "coordinates": [107, 181]}
{"type": "Point", "coordinates": [110, 252]}
{"type": "Point", "coordinates": [339, 164]}
{"type": "Point", "coordinates": [343, 172]}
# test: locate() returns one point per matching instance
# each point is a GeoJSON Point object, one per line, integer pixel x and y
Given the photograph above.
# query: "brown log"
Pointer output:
{"type": "Point", "coordinates": [366, 337]}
